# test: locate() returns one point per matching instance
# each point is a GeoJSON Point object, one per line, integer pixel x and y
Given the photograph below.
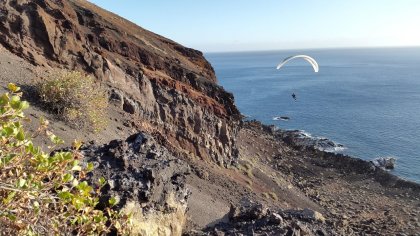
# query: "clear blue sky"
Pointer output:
{"type": "Point", "coordinates": [246, 25]}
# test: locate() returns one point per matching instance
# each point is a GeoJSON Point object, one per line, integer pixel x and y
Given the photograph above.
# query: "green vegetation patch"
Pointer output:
{"type": "Point", "coordinates": [42, 194]}
{"type": "Point", "coordinates": [75, 98]}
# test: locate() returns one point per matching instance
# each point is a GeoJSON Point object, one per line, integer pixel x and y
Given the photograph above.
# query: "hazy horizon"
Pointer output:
{"type": "Point", "coordinates": [236, 26]}
{"type": "Point", "coordinates": [316, 49]}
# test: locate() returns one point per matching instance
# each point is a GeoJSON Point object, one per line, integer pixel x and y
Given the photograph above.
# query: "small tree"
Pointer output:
{"type": "Point", "coordinates": [44, 194]}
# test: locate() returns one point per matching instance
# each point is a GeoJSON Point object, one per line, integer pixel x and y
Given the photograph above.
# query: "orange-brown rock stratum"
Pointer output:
{"type": "Point", "coordinates": [167, 88]}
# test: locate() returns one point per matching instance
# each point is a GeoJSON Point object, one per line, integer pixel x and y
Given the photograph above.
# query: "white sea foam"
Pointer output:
{"type": "Point", "coordinates": [283, 118]}
{"type": "Point", "coordinates": [305, 134]}
{"type": "Point", "coordinates": [334, 149]}
{"type": "Point", "coordinates": [246, 116]}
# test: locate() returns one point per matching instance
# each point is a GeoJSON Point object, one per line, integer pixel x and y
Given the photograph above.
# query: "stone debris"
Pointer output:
{"type": "Point", "coordinates": [251, 218]}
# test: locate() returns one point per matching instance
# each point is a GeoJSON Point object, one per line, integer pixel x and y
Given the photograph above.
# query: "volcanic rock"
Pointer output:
{"type": "Point", "coordinates": [148, 181]}
{"type": "Point", "coordinates": [256, 219]}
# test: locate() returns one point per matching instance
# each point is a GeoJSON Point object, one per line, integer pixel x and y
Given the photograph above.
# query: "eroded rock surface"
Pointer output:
{"type": "Point", "coordinates": [256, 219]}
{"type": "Point", "coordinates": [168, 88]}
{"type": "Point", "coordinates": [147, 180]}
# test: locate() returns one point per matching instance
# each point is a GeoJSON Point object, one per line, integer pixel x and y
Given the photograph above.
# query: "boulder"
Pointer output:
{"type": "Point", "coordinates": [146, 178]}
{"type": "Point", "coordinates": [307, 215]}
{"type": "Point", "coordinates": [249, 218]}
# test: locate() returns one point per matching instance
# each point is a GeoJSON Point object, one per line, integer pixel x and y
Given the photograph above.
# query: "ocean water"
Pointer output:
{"type": "Point", "coordinates": [366, 99]}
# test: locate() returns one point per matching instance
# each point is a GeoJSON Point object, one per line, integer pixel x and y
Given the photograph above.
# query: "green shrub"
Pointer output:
{"type": "Point", "coordinates": [75, 98]}
{"type": "Point", "coordinates": [43, 194]}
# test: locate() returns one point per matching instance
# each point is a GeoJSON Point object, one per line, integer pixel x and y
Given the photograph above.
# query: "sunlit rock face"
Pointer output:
{"type": "Point", "coordinates": [169, 89]}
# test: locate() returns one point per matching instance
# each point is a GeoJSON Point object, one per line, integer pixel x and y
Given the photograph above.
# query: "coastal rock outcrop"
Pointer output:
{"type": "Point", "coordinates": [384, 162]}
{"type": "Point", "coordinates": [147, 180]}
{"type": "Point", "coordinates": [167, 88]}
{"type": "Point", "coordinates": [301, 139]}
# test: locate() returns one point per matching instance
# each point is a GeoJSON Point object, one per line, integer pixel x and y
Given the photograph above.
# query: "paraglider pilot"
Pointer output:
{"type": "Point", "coordinates": [294, 96]}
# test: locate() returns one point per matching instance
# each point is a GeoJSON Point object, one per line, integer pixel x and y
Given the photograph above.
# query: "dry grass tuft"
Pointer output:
{"type": "Point", "coordinates": [75, 98]}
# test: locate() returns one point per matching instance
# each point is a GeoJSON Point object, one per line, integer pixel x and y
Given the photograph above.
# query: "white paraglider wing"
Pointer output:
{"type": "Point", "coordinates": [307, 58]}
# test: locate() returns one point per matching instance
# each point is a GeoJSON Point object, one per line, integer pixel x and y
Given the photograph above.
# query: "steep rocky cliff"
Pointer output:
{"type": "Point", "coordinates": [169, 89]}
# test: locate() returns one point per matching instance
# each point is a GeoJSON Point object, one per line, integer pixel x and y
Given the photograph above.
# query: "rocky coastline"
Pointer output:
{"type": "Point", "coordinates": [319, 148]}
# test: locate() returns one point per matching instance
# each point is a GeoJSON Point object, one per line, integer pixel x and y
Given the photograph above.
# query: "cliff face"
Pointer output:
{"type": "Point", "coordinates": [169, 89]}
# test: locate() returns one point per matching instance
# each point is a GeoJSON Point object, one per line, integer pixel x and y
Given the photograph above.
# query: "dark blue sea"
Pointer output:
{"type": "Point", "coordinates": [366, 99]}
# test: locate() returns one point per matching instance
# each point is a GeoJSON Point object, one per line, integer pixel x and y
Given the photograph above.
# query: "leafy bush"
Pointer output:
{"type": "Point", "coordinates": [76, 98]}
{"type": "Point", "coordinates": [43, 194]}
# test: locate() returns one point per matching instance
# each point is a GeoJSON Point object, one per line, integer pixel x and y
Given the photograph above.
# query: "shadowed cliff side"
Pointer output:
{"type": "Point", "coordinates": [169, 89]}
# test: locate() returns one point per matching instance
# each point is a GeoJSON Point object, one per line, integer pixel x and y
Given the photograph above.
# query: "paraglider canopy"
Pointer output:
{"type": "Point", "coordinates": [305, 57]}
